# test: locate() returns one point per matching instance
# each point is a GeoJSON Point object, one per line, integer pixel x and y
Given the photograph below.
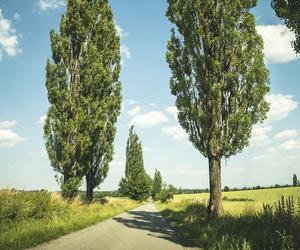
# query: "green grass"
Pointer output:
{"type": "Point", "coordinates": [233, 201]}
{"type": "Point", "coordinates": [30, 218]}
{"type": "Point", "coordinates": [246, 224]}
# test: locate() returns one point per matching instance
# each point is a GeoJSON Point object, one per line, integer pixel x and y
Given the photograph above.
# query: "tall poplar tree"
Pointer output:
{"type": "Point", "coordinates": [295, 180]}
{"type": "Point", "coordinates": [137, 183]}
{"type": "Point", "coordinates": [219, 79]}
{"type": "Point", "coordinates": [289, 12]}
{"type": "Point", "coordinates": [84, 92]}
{"type": "Point", "coordinates": [157, 185]}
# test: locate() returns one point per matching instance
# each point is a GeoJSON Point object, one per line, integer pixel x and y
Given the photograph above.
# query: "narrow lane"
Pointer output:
{"type": "Point", "coordinates": [138, 229]}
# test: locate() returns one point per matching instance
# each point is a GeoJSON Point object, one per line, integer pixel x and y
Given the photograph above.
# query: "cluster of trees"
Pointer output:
{"type": "Point", "coordinates": [84, 93]}
{"type": "Point", "coordinates": [137, 184]}
{"type": "Point", "coordinates": [219, 79]}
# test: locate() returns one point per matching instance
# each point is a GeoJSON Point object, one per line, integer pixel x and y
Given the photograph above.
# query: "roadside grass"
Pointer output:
{"type": "Point", "coordinates": [256, 219]}
{"type": "Point", "coordinates": [30, 218]}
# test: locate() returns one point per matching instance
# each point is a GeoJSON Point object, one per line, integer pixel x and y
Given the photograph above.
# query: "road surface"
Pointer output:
{"type": "Point", "coordinates": [140, 229]}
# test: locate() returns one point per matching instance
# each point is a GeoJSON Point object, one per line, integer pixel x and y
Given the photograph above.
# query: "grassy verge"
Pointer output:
{"type": "Point", "coordinates": [246, 224]}
{"type": "Point", "coordinates": [30, 218]}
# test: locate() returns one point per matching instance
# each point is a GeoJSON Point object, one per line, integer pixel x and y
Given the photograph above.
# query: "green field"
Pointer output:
{"type": "Point", "coordinates": [30, 218]}
{"type": "Point", "coordinates": [246, 224]}
{"type": "Point", "coordinates": [237, 202]}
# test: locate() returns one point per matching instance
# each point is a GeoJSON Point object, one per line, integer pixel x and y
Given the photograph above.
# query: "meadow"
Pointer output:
{"type": "Point", "coordinates": [253, 219]}
{"type": "Point", "coordinates": [30, 218]}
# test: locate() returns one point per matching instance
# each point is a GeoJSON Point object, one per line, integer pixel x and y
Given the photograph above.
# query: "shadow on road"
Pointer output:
{"type": "Point", "coordinates": [154, 224]}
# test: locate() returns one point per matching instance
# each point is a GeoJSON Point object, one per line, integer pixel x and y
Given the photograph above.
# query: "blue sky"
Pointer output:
{"type": "Point", "coordinates": [273, 156]}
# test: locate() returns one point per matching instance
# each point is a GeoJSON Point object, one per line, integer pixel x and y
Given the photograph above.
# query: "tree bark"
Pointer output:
{"type": "Point", "coordinates": [215, 207]}
{"type": "Point", "coordinates": [89, 188]}
{"type": "Point", "coordinates": [65, 191]}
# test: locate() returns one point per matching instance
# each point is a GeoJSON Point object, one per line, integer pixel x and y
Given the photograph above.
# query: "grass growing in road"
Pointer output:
{"type": "Point", "coordinates": [246, 224]}
{"type": "Point", "coordinates": [30, 218]}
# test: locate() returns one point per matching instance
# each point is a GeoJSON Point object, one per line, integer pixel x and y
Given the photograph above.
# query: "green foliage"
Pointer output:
{"type": "Point", "coordinates": [167, 193]}
{"type": "Point", "coordinates": [289, 12]}
{"type": "Point", "coordinates": [137, 184]}
{"type": "Point", "coordinates": [219, 78]}
{"type": "Point", "coordinates": [218, 73]}
{"type": "Point", "coordinates": [157, 185]}
{"type": "Point", "coordinates": [30, 218]}
{"type": "Point", "coordinates": [84, 94]}
{"type": "Point", "coordinates": [295, 180]}
{"type": "Point", "coordinates": [232, 243]}
{"type": "Point", "coordinates": [272, 227]}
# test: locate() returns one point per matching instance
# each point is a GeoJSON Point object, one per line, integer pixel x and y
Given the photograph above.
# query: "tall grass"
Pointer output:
{"type": "Point", "coordinates": [273, 225]}
{"type": "Point", "coordinates": [30, 218]}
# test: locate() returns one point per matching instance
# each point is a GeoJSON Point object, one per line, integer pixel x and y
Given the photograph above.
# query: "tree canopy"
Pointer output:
{"type": "Point", "coordinates": [289, 12]}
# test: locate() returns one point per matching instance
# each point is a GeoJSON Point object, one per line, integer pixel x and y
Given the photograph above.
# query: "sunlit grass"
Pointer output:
{"type": "Point", "coordinates": [240, 202]}
{"type": "Point", "coordinates": [30, 218]}
{"type": "Point", "coordinates": [245, 224]}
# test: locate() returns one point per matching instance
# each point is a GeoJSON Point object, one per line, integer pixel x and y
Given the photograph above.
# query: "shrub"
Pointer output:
{"type": "Point", "coordinates": [166, 193]}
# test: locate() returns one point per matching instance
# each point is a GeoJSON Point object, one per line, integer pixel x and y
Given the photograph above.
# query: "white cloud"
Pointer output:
{"type": "Point", "coordinates": [42, 153]}
{"type": "Point", "coordinates": [121, 33]}
{"type": "Point", "coordinates": [17, 16]}
{"type": "Point", "coordinates": [260, 135]}
{"type": "Point", "coordinates": [286, 135]}
{"type": "Point", "coordinates": [148, 150]}
{"type": "Point", "coordinates": [149, 119]}
{"type": "Point", "coordinates": [9, 138]}
{"type": "Point", "coordinates": [117, 164]}
{"type": "Point", "coordinates": [173, 111]}
{"type": "Point", "coordinates": [280, 107]}
{"type": "Point", "coordinates": [44, 5]}
{"type": "Point", "coordinates": [152, 104]}
{"type": "Point", "coordinates": [288, 149]}
{"type": "Point", "coordinates": [290, 145]}
{"type": "Point", "coordinates": [131, 102]}
{"type": "Point", "coordinates": [42, 120]}
{"type": "Point", "coordinates": [8, 38]}
{"type": "Point", "coordinates": [7, 124]}
{"type": "Point", "coordinates": [125, 53]}
{"type": "Point", "coordinates": [134, 111]}
{"type": "Point", "coordinates": [277, 43]}
{"type": "Point", "coordinates": [175, 132]}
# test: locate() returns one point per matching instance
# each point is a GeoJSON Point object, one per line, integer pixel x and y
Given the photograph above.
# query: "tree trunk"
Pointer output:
{"type": "Point", "coordinates": [215, 207]}
{"type": "Point", "coordinates": [89, 188]}
{"type": "Point", "coordinates": [64, 190]}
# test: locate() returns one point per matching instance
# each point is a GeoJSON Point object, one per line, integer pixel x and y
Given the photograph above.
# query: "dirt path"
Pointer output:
{"type": "Point", "coordinates": [138, 229]}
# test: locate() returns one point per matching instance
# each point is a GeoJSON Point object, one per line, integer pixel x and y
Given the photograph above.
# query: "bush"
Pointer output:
{"type": "Point", "coordinates": [166, 193]}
